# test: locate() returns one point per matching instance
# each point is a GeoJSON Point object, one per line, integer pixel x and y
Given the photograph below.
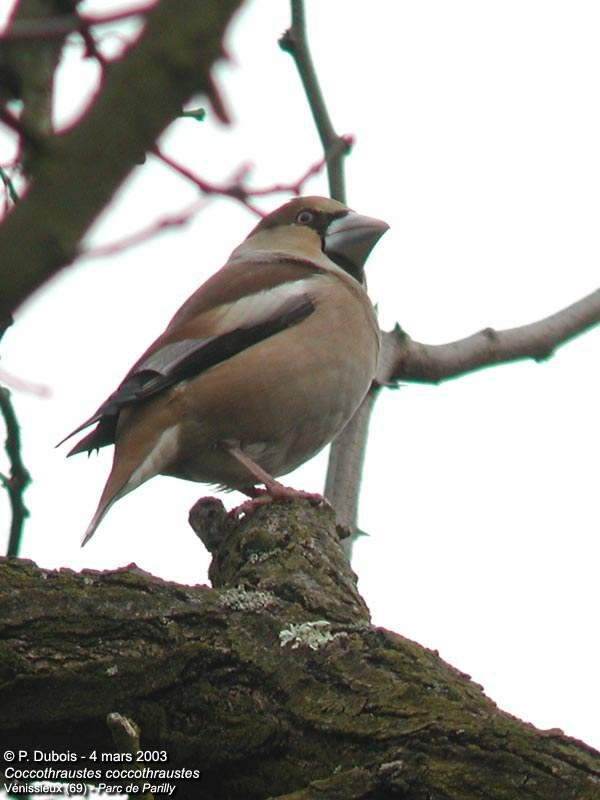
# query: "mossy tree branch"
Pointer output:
{"type": "Point", "coordinates": [274, 682]}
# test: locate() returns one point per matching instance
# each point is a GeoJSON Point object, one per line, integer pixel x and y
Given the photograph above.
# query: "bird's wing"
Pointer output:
{"type": "Point", "coordinates": [203, 334]}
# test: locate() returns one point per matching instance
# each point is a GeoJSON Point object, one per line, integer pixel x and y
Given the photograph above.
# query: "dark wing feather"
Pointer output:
{"type": "Point", "coordinates": [180, 361]}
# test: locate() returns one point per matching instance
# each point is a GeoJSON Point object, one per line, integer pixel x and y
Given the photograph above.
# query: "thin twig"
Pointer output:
{"type": "Point", "coordinates": [91, 48]}
{"type": "Point", "coordinates": [341, 145]}
{"type": "Point", "coordinates": [346, 462]}
{"type": "Point", "coordinates": [194, 113]}
{"type": "Point", "coordinates": [233, 190]}
{"type": "Point", "coordinates": [294, 41]}
{"type": "Point", "coordinates": [19, 477]}
{"type": "Point", "coordinates": [236, 188]}
{"type": "Point", "coordinates": [404, 359]}
{"type": "Point", "coordinates": [144, 234]}
{"type": "Point", "coordinates": [9, 185]}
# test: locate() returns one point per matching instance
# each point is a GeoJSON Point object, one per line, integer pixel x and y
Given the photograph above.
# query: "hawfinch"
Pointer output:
{"type": "Point", "coordinates": [258, 370]}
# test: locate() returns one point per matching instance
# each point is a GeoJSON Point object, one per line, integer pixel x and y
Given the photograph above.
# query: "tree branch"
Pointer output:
{"type": "Point", "coordinates": [401, 358]}
{"type": "Point", "coordinates": [83, 29]}
{"type": "Point", "coordinates": [404, 359]}
{"type": "Point", "coordinates": [9, 185]}
{"type": "Point", "coordinates": [270, 682]}
{"type": "Point", "coordinates": [16, 483]}
{"type": "Point", "coordinates": [144, 91]}
{"type": "Point", "coordinates": [237, 189]}
{"type": "Point", "coordinates": [168, 222]}
{"type": "Point", "coordinates": [294, 41]}
{"type": "Point", "coordinates": [345, 469]}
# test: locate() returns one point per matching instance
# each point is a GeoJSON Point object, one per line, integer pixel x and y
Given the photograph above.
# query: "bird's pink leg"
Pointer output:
{"type": "Point", "coordinates": [274, 489]}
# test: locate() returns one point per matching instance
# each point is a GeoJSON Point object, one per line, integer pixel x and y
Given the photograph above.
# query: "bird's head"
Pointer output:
{"type": "Point", "coordinates": [311, 225]}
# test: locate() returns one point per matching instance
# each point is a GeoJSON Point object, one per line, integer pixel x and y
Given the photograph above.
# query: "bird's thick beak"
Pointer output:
{"type": "Point", "coordinates": [352, 237]}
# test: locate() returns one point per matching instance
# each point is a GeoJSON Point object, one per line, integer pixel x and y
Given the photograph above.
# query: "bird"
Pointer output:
{"type": "Point", "coordinates": [258, 370]}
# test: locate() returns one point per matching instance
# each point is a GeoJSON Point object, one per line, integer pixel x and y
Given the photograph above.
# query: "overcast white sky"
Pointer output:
{"type": "Point", "coordinates": [477, 129]}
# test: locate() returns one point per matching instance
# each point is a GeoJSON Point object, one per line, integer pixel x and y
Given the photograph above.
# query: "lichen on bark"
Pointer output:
{"type": "Point", "coordinates": [206, 675]}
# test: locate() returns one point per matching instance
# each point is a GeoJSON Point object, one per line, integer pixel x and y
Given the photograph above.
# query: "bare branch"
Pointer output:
{"type": "Point", "coordinates": [404, 359]}
{"type": "Point", "coordinates": [346, 461]}
{"type": "Point", "coordinates": [401, 357]}
{"type": "Point", "coordinates": [236, 188]}
{"type": "Point", "coordinates": [294, 42]}
{"type": "Point", "coordinates": [341, 146]}
{"type": "Point", "coordinates": [161, 225]}
{"type": "Point", "coordinates": [9, 185]}
{"type": "Point", "coordinates": [91, 48]}
{"type": "Point", "coordinates": [18, 480]}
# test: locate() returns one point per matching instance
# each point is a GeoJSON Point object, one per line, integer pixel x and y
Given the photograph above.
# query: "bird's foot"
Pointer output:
{"type": "Point", "coordinates": [248, 507]}
{"type": "Point", "coordinates": [274, 491]}
{"type": "Point", "coordinates": [280, 492]}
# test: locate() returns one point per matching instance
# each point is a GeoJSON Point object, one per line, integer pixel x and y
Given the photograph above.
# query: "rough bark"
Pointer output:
{"type": "Point", "coordinates": [225, 680]}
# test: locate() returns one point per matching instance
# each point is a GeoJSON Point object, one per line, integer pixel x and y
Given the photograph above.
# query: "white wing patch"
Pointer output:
{"type": "Point", "coordinates": [261, 306]}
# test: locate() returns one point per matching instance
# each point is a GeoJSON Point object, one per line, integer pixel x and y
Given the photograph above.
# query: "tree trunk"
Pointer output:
{"type": "Point", "coordinates": [273, 683]}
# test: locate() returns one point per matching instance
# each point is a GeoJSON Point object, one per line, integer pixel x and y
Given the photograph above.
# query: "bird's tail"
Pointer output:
{"type": "Point", "coordinates": [129, 471]}
{"type": "Point", "coordinates": [110, 495]}
{"type": "Point", "coordinates": [96, 520]}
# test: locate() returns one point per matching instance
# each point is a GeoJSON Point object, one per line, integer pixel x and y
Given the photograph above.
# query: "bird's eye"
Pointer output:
{"type": "Point", "coordinates": [305, 218]}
